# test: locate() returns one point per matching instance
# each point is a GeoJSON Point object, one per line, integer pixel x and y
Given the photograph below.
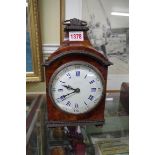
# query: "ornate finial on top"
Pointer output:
{"type": "Point", "coordinates": [75, 25]}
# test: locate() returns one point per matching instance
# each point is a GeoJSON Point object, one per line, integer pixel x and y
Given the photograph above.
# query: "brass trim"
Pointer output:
{"type": "Point", "coordinates": [62, 18]}
{"type": "Point", "coordinates": [84, 52]}
{"type": "Point", "coordinates": [36, 45]}
{"type": "Point", "coordinates": [74, 123]}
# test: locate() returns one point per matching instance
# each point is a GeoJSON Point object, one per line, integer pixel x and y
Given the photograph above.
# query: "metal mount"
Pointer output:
{"type": "Point", "coordinates": [75, 25]}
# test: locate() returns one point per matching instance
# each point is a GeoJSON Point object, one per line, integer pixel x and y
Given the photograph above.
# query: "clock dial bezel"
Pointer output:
{"type": "Point", "coordinates": [71, 63]}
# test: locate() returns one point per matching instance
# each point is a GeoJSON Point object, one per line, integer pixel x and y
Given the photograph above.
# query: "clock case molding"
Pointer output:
{"type": "Point", "coordinates": [75, 51]}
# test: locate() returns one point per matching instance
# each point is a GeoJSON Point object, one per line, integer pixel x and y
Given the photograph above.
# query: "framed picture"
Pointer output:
{"type": "Point", "coordinates": [33, 43]}
{"type": "Point", "coordinates": [110, 36]}
{"type": "Point", "coordinates": [106, 36]}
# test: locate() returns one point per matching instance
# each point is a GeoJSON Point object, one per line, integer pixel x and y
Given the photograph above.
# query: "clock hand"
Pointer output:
{"type": "Point", "coordinates": [68, 87]}
{"type": "Point", "coordinates": [63, 97]}
{"type": "Point", "coordinates": [68, 94]}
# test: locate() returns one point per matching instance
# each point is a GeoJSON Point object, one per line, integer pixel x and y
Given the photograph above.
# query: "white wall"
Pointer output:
{"type": "Point", "coordinates": [73, 9]}
{"type": "Point", "coordinates": [50, 21]}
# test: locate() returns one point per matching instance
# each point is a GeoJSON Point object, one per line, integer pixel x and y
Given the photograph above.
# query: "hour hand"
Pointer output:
{"type": "Point", "coordinates": [68, 87]}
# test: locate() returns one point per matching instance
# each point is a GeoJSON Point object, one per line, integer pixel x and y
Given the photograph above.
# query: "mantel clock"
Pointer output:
{"type": "Point", "coordinates": [76, 77]}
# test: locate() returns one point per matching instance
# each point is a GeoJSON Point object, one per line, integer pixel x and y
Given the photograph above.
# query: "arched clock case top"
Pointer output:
{"type": "Point", "coordinates": [72, 52]}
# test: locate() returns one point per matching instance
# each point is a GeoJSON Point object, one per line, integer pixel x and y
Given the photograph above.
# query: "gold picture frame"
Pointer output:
{"type": "Point", "coordinates": [62, 18]}
{"type": "Point", "coordinates": [36, 74]}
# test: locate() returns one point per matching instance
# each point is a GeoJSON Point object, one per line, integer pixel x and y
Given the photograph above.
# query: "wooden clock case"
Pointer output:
{"type": "Point", "coordinates": [75, 51]}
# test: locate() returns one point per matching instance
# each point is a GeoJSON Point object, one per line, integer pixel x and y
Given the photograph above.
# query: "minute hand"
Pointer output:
{"type": "Point", "coordinates": [69, 94]}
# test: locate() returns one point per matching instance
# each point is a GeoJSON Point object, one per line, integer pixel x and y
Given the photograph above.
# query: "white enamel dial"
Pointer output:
{"type": "Point", "coordinates": [76, 87]}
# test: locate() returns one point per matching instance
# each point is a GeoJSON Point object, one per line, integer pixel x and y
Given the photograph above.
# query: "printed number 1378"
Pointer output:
{"type": "Point", "coordinates": [75, 36]}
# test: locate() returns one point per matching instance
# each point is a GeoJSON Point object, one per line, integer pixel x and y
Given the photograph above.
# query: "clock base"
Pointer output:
{"type": "Point", "coordinates": [71, 123]}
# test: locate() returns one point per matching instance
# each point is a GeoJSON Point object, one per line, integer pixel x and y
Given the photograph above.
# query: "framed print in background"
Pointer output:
{"type": "Point", "coordinates": [33, 43]}
{"type": "Point", "coordinates": [110, 35]}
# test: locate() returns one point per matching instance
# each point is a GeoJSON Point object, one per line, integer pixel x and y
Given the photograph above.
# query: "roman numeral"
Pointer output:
{"type": "Point", "coordinates": [91, 97]}
{"type": "Point", "coordinates": [60, 90]}
{"type": "Point", "coordinates": [85, 76]}
{"type": "Point", "coordinates": [93, 89]}
{"type": "Point", "coordinates": [92, 81]}
{"type": "Point", "coordinates": [69, 76]}
{"type": "Point", "coordinates": [76, 106]}
{"type": "Point", "coordinates": [77, 73]}
{"type": "Point", "coordinates": [68, 103]}
{"type": "Point", "coordinates": [62, 97]}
